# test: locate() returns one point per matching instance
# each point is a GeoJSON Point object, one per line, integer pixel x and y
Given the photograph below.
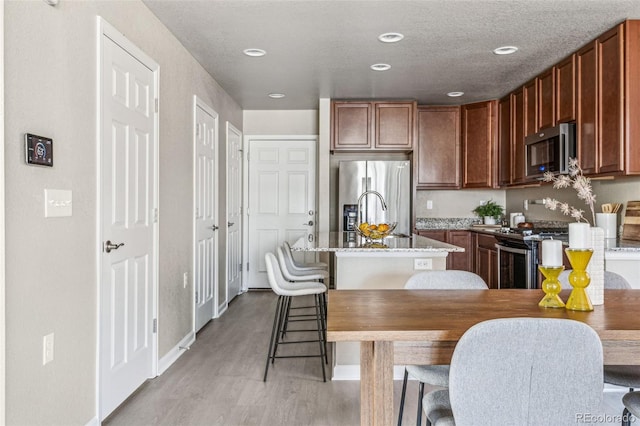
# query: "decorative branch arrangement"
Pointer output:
{"type": "Point", "coordinates": [577, 181]}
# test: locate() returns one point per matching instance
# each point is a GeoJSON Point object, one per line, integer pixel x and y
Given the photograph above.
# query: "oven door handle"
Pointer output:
{"type": "Point", "coordinates": [500, 247]}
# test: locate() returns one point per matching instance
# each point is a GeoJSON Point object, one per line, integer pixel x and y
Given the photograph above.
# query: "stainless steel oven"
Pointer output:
{"type": "Point", "coordinates": [518, 256]}
{"type": "Point", "coordinates": [515, 266]}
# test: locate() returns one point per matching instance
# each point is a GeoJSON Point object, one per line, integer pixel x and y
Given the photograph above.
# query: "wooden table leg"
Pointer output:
{"type": "Point", "coordinates": [376, 383]}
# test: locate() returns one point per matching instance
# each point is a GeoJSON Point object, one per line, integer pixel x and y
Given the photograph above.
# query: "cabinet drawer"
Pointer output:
{"type": "Point", "coordinates": [486, 241]}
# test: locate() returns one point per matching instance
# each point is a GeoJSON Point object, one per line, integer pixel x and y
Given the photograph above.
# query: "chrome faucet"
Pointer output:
{"type": "Point", "coordinates": [376, 193]}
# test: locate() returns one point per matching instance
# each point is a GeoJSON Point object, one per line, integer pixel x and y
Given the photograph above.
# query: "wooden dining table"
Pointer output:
{"type": "Point", "coordinates": [400, 327]}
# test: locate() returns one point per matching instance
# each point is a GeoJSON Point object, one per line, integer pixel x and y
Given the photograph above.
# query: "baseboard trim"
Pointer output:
{"type": "Point", "coordinates": [176, 352]}
{"type": "Point", "coordinates": [93, 422]}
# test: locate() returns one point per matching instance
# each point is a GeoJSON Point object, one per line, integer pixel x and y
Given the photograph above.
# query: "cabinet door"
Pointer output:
{"type": "Point", "coordinates": [566, 90]}
{"type": "Point", "coordinates": [611, 101]}
{"type": "Point", "coordinates": [438, 235]}
{"type": "Point", "coordinates": [394, 125]}
{"type": "Point", "coordinates": [530, 108]}
{"type": "Point", "coordinates": [460, 261]}
{"type": "Point", "coordinates": [438, 147]}
{"type": "Point", "coordinates": [478, 141]}
{"type": "Point", "coordinates": [505, 170]}
{"type": "Point", "coordinates": [546, 99]}
{"type": "Point", "coordinates": [518, 147]}
{"type": "Point", "coordinates": [587, 105]}
{"type": "Point", "coordinates": [486, 259]}
{"type": "Point", "coordinates": [352, 125]}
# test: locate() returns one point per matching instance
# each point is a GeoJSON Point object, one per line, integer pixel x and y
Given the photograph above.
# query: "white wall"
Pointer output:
{"type": "Point", "coordinates": [280, 122]}
{"type": "Point", "coordinates": [2, 244]}
{"type": "Point", "coordinates": [619, 190]}
{"type": "Point", "coordinates": [453, 204]}
{"type": "Point", "coordinates": [50, 86]}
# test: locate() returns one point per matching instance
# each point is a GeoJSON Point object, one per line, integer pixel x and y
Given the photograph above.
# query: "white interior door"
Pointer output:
{"type": "Point", "coordinates": [128, 179]}
{"type": "Point", "coordinates": [205, 213]}
{"type": "Point", "coordinates": [282, 196]}
{"type": "Point", "coordinates": [234, 211]}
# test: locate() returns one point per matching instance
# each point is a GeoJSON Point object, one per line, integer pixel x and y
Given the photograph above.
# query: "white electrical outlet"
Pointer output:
{"type": "Point", "coordinates": [429, 204]}
{"type": "Point", "coordinates": [185, 279]}
{"type": "Point", "coordinates": [47, 349]}
{"type": "Point", "coordinates": [422, 263]}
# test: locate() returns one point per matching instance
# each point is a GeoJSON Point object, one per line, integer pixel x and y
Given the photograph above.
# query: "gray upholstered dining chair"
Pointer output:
{"type": "Point", "coordinates": [627, 376]}
{"type": "Point", "coordinates": [510, 372]}
{"type": "Point", "coordinates": [435, 375]}
{"type": "Point", "coordinates": [631, 403]}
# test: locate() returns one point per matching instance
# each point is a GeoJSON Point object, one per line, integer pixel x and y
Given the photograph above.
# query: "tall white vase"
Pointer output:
{"type": "Point", "coordinates": [595, 289]}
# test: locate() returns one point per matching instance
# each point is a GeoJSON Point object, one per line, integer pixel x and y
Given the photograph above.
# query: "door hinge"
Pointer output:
{"type": "Point", "coordinates": [155, 325]}
{"type": "Point", "coordinates": [155, 215]}
{"type": "Point", "coordinates": [247, 266]}
{"type": "Point", "coordinates": [156, 105]}
{"type": "Point", "coordinates": [240, 267]}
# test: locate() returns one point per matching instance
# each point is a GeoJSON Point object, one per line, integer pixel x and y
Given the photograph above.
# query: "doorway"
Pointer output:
{"type": "Point", "coordinates": [205, 223]}
{"type": "Point", "coordinates": [282, 198]}
{"type": "Point", "coordinates": [234, 211]}
{"type": "Point", "coordinates": [127, 222]}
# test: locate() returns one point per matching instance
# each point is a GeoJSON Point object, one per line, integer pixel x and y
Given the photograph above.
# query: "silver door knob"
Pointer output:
{"type": "Point", "coordinates": [310, 223]}
{"type": "Point", "coordinates": [108, 246]}
{"type": "Point", "coordinates": [213, 228]}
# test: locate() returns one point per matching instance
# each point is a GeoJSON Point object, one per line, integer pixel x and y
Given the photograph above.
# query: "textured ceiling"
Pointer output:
{"type": "Point", "coordinates": [323, 48]}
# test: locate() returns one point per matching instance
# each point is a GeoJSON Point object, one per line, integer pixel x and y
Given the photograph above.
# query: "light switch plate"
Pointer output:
{"type": "Point", "coordinates": [58, 203]}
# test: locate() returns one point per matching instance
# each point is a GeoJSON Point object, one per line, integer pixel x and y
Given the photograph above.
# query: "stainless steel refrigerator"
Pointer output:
{"type": "Point", "coordinates": [392, 179]}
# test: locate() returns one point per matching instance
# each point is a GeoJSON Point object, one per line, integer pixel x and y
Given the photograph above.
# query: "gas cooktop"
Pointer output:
{"type": "Point", "coordinates": [535, 234]}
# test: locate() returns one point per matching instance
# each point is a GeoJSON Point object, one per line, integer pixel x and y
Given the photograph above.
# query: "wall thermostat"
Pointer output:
{"type": "Point", "coordinates": [38, 150]}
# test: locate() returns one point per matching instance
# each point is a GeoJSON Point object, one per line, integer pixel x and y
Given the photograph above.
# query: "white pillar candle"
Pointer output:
{"type": "Point", "coordinates": [579, 235]}
{"type": "Point", "coordinates": [551, 253]}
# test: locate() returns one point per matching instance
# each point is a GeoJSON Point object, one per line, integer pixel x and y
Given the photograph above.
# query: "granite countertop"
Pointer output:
{"type": "Point", "coordinates": [352, 242]}
{"type": "Point", "coordinates": [474, 224]}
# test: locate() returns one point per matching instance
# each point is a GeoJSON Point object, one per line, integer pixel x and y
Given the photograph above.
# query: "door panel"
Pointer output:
{"type": "Point", "coordinates": [282, 175]}
{"type": "Point", "coordinates": [234, 211]}
{"type": "Point", "coordinates": [206, 215]}
{"type": "Point", "coordinates": [127, 196]}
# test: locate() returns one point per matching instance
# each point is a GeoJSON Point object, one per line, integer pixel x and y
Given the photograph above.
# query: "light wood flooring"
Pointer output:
{"type": "Point", "coordinates": [219, 381]}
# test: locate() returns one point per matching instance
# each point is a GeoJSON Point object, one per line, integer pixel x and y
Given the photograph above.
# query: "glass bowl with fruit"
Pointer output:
{"type": "Point", "coordinates": [373, 232]}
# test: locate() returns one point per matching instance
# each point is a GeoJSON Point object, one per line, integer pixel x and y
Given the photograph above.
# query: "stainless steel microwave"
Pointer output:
{"type": "Point", "coordinates": [549, 150]}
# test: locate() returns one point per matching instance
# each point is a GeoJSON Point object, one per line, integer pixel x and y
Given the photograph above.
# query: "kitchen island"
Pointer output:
{"type": "Point", "coordinates": [359, 266]}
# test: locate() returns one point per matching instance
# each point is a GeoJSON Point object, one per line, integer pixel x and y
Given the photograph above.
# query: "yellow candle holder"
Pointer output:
{"type": "Point", "coordinates": [579, 279]}
{"type": "Point", "coordinates": [551, 287]}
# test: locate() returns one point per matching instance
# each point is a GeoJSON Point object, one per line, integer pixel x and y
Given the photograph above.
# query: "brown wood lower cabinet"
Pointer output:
{"type": "Point", "coordinates": [486, 259]}
{"type": "Point", "coordinates": [459, 261]}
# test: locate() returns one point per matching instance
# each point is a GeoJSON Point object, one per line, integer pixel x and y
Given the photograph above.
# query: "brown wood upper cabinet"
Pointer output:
{"type": "Point", "coordinates": [479, 144]}
{"type": "Point", "coordinates": [437, 151]}
{"type": "Point", "coordinates": [363, 126]}
{"type": "Point", "coordinates": [505, 144]}
{"type": "Point", "coordinates": [602, 107]}
{"type": "Point", "coordinates": [530, 91]}
{"type": "Point", "coordinates": [546, 99]}
{"type": "Point", "coordinates": [566, 90]}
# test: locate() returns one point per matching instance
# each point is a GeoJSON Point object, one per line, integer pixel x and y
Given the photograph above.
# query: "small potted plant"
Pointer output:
{"type": "Point", "coordinates": [489, 211]}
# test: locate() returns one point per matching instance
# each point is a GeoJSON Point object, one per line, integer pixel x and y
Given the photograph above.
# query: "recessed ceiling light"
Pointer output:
{"type": "Point", "coordinates": [505, 50]}
{"type": "Point", "coordinates": [455, 94]}
{"type": "Point", "coordinates": [380, 67]}
{"type": "Point", "coordinates": [254, 52]}
{"type": "Point", "coordinates": [276, 95]}
{"type": "Point", "coordinates": [390, 37]}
